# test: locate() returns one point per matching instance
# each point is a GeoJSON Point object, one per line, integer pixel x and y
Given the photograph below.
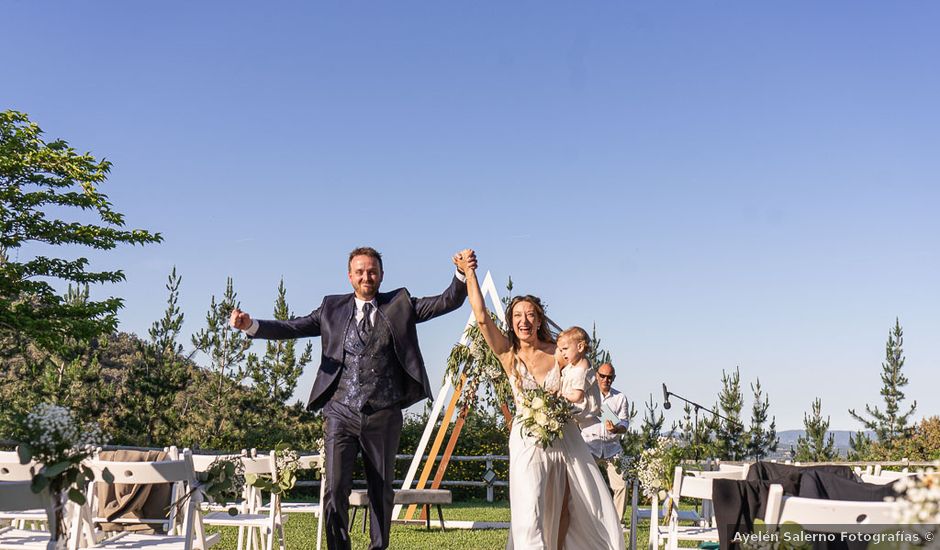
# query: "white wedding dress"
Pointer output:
{"type": "Point", "coordinates": [540, 481]}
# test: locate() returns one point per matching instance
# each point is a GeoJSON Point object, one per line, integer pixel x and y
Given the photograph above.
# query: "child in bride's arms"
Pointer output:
{"type": "Point", "coordinates": [578, 384]}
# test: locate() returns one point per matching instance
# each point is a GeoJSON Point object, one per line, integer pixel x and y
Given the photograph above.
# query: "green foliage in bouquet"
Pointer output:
{"type": "Point", "coordinates": [543, 415]}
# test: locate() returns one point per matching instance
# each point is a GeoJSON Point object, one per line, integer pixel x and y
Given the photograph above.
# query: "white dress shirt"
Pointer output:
{"type": "Point", "coordinates": [602, 443]}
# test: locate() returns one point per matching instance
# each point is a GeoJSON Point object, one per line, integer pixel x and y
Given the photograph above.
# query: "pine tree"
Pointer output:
{"type": "Point", "coordinates": [164, 332]}
{"type": "Point", "coordinates": [729, 432]}
{"type": "Point", "coordinates": [695, 433]}
{"type": "Point", "coordinates": [161, 376]}
{"type": "Point", "coordinates": [761, 441]}
{"type": "Point", "coordinates": [815, 446]}
{"type": "Point", "coordinates": [652, 424]}
{"type": "Point", "coordinates": [596, 355]}
{"type": "Point", "coordinates": [275, 375]}
{"type": "Point", "coordinates": [890, 424]}
{"type": "Point", "coordinates": [225, 348]}
{"type": "Point", "coordinates": [860, 446]}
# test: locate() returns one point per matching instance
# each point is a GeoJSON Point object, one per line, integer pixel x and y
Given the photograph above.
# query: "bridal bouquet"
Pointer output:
{"type": "Point", "coordinates": [543, 415]}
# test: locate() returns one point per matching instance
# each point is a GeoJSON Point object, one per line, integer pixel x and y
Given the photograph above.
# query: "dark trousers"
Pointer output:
{"type": "Point", "coordinates": [346, 433]}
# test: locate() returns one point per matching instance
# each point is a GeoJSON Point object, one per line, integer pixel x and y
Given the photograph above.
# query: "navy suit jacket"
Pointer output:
{"type": "Point", "coordinates": [398, 308]}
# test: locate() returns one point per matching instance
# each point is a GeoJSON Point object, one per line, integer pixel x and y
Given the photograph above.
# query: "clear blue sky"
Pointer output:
{"type": "Point", "coordinates": [713, 183]}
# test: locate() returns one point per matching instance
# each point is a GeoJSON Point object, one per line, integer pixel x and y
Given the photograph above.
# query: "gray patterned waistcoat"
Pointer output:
{"type": "Point", "coordinates": [372, 377]}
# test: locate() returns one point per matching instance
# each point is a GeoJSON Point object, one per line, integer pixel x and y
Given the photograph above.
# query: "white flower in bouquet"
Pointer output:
{"type": "Point", "coordinates": [541, 418]}
{"type": "Point", "coordinates": [537, 403]}
{"type": "Point", "coordinates": [526, 413]}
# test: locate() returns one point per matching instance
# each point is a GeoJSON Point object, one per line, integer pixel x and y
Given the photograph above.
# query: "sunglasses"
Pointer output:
{"type": "Point", "coordinates": [607, 376]}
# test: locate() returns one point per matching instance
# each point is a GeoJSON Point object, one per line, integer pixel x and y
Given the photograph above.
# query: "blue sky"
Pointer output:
{"type": "Point", "coordinates": [714, 184]}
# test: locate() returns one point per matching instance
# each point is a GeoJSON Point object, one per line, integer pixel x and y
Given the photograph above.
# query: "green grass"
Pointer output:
{"type": "Point", "coordinates": [301, 531]}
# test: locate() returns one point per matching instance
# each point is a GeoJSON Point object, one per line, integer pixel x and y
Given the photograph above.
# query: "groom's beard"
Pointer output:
{"type": "Point", "coordinates": [367, 291]}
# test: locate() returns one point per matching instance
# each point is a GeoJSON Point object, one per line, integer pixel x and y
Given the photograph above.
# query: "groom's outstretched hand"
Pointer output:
{"type": "Point", "coordinates": [239, 319]}
{"type": "Point", "coordinates": [466, 260]}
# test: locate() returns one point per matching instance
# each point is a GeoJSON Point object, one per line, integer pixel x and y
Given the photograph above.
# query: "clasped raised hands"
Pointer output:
{"type": "Point", "coordinates": [466, 260]}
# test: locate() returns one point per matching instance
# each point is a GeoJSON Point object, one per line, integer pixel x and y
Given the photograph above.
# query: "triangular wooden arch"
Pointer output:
{"type": "Point", "coordinates": [489, 289]}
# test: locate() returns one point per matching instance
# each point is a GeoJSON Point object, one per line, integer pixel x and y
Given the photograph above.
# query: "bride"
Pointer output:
{"type": "Point", "coordinates": [548, 487]}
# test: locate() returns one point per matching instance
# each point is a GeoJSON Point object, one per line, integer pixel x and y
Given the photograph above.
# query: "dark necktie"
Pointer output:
{"type": "Point", "coordinates": [365, 324]}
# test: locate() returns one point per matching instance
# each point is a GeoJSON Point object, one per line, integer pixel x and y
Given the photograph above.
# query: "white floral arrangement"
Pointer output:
{"type": "Point", "coordinates": [59, 443]}
{"type": "Point", "coordinates": [543, 415]}
{"type": "Point", "coordinates": [656, 466]}
{"type": "Point", "coordinates": [918, 499]}
{"type": "Point", "coordinates": [53, 433]}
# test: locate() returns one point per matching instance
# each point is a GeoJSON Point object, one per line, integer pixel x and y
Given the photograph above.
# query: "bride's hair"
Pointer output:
{"type": "Point", "coordinates": [543, 333]}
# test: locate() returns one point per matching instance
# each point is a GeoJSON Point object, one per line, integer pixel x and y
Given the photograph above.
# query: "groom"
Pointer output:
{"type": "Point", "coordinates": [371, 369]}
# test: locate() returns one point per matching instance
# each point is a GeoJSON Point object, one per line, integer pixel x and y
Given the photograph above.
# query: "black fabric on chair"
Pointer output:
{"type": "Point", "coordinates": [739, 502]}
{"type": "Point", "coordinates": [772, 470]}
{"type": "Point", "coordinates": [832, 487]}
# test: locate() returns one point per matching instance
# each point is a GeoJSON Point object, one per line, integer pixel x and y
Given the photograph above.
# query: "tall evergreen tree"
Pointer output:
{"type": "Point", "coordinates": [652, 426]}
{"type": "Point", "coordinates": [162, 375]}
{"type": "Point", "coordinates": [226, 348]}
{"type": "Point", "coordinates": [891, 423]}
{"type": "Point", "coordinates": [859, 446]}
{"type": "Point", "coordinates": [729, 432]}
{"type": "Point", "coordinates": [275, 375]}
{"type": "Point", "coordinates": [597, 355]}
{"type": "Point", "coordinates": [695, 432]}
{"type": "Point", "coordinates": [815, 446]}
{"type": "Point", "coordinates": [761, 440]}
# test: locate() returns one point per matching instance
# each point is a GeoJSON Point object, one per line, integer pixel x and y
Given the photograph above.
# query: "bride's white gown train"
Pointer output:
{"type": "Point", "coordinates": [540, 479]}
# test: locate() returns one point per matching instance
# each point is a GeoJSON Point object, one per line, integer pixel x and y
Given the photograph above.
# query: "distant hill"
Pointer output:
{"type": "Point", "coordinates": [788, 438]}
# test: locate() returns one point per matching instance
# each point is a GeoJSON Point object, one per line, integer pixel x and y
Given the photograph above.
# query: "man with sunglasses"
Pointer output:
{"type": "Point", "coordinates": [604, 438]}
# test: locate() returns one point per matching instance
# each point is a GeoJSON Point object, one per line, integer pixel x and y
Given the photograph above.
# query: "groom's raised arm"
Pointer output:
{"type": "Point", "coordinates": [449, 300]}
{"type": "Point", "coordinates": [273, 329]}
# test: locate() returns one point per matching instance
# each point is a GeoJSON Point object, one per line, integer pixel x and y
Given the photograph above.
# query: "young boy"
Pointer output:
{"type": "Point", "coordinates": [578, 384]}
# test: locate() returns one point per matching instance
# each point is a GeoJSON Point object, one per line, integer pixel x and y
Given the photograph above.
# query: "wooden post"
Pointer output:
{"type": "Point", "coordinates": [438, 440]}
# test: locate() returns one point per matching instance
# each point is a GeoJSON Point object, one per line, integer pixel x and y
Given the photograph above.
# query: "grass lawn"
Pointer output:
{"type": "Point", "coordinates": [301, 531]}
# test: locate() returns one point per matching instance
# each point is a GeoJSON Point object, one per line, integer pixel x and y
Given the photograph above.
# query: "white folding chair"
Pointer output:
{"type": "Point", "coordinates": [307, 462]}
{"type": "Point", "coordinates": [202, 463]}
{"type": "Point", "coordinates": [886, 479]}
{"type": "Point", "coordinates": [252, 522]}
{"type": "Point", "coordinates": [15, 495]}
{"type": "Point", "coordinates": [672, 532]}
{"type": "Point", "coordinates": [192, 534]}
{"type": "Point", "coordinates": [12, 470]}
{"type": "Point", "coordinates": [827, 516]}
